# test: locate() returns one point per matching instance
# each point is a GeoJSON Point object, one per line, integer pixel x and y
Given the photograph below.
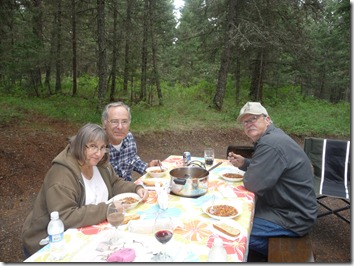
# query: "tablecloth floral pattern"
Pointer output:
{"type": "Point", "coordinates": [193, 236]}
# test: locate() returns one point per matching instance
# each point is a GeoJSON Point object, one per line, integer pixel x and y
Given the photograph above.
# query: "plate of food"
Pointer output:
{"type": "Point", "coordinates": [156, 171]}
{"type": "Point", "coordinates": [222, 209]}
{"type": "Point", "coordinates": [232, 174]}
{"type": "Point", "coordinates": [129, 200]}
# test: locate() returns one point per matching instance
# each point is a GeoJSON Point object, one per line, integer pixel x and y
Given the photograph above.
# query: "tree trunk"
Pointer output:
{"type": "Point", "coordinates": [237, 81]}
{"type": "Point", "coordinates": [101, 54]}
{"type": "Point", "coordinates": [115, 51]}
{"type": "Point", "coordinates": [51, 57]}
{"type": "Point", "coordinates": [127, 47]}
{"type": "Point", "coordinates": [256, 93]}
{"type": "Point", "coordinates": [37, 30]}
{"type": "Point", "coordinates": [74, 42]}
{"type": "Point", "coordinates": [144, 52]}
{"type": "Point", "coordinates": [58, 51]}
{"type": "Point", "coordinates": [225, 57]}
{"type": "Point", "coordinates": [156, 75]}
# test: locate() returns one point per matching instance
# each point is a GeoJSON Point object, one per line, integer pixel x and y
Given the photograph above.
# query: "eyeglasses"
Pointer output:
{"type": "Point", "coordinates": [251, 120]}
{"type": "Point", "coordinates": [93, 148]}
{"type": "Point", "coordinates": [116, 122]}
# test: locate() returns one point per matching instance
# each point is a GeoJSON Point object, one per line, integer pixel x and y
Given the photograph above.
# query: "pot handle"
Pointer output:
{"type": "Point", "coordinates": [197, 163]}
{"type": "Point", "coordinates": [180, 181]}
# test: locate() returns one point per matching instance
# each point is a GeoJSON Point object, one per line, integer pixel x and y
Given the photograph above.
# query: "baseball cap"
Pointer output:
{"type": "Point", "coordinates": [253, 108]}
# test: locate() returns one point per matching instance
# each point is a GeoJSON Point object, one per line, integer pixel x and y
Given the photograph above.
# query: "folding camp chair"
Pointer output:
{"type": "Point", "coordinates": [245, 151]}
{"type": "Point", "coordinates": [331, 162]}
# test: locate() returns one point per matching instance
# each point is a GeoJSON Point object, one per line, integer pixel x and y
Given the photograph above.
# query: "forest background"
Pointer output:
{"type": "Point", "coordinates": [204, 64]}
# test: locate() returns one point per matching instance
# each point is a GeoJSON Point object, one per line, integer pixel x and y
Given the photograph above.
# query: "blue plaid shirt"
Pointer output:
{"type": "Point", "coordinates": [126, 159]}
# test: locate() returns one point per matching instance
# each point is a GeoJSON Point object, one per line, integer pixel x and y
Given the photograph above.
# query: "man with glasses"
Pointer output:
{"type": "Point", "coordinates": [280, 175]}
{"type": "Point", "coordinates": [123, 155]}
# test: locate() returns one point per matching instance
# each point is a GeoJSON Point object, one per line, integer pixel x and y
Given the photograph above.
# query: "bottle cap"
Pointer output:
{"type": "Point", "coordinates": [218, 242]}
{"type": "Point", "coordinates": [54, 215]}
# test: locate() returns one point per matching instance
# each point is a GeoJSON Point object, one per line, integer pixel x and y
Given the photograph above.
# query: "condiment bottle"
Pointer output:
{"type": "Point", "coordinates": [56, 237]}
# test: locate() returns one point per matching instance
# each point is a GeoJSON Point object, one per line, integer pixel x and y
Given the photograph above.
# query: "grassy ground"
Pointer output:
{"type": "Point", "coordinates": [186, 109]}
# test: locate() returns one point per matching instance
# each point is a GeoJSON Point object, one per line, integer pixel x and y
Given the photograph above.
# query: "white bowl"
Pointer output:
{"type": "Point", "coordinates": [155, 171]}
{"type": "Point", "coordinates": [122, 196]}
{"type": "Point", "coordinates": [228, 204]}
{"type": "Point", "coordinates": [232, 171]}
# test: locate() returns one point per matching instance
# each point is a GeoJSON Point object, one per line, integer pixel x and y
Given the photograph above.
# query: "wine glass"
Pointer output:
{"type": "Point", "coordinates": [163, 232]}
{"type": "Point", "coordinates": [115, 216]}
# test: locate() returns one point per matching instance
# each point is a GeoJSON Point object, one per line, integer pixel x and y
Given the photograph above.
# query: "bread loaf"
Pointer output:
{"type": "Point", "coordinates": [227, 229]}
{"type": "Point", "coordinates": [151, 183]}
{"type": "Point", "coordinates": [130, 217]}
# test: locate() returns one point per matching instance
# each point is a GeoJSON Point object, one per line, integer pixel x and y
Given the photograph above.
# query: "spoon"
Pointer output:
{"type": "Point", "coordinates": [159, 162]}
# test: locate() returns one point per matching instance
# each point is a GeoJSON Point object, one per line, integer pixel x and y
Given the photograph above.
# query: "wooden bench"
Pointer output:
{"type": "Point", "coordinates": [290, 249]}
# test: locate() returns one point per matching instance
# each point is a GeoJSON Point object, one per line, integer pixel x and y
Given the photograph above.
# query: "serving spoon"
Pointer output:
{"type": "Point", "coordinates": [159, 162]}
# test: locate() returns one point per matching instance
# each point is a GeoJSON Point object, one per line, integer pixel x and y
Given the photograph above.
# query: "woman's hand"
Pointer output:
{"type": "Point", "coordinates": [143, 193]}
{"type": "Point", "coordinates": [235, 159]}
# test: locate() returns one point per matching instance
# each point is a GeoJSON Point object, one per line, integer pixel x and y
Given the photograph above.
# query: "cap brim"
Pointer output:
{"type": "Point", "coordinates": [253, 113]}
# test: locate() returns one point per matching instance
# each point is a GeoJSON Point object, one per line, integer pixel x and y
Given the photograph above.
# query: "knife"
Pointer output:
{"type": "Point", "coordinates": [211, 168]}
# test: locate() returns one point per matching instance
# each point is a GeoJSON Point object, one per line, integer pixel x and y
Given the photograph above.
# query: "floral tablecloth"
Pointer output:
{"type": "Point", "coordinates": [193, 235]}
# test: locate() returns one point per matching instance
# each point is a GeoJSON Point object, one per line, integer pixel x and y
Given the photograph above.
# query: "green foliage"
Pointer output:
{"type": "Point", "coordinates": [61, 107]}
{"type": "Point", "coordinates": [188, 109]}
{"type": "Point", "coordinates": [312, 117]}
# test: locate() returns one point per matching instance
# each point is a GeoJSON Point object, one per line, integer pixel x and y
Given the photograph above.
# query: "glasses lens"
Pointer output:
{"type": "Point", "coordinates": [252, 120]}
{"type": "Point", "coordinates": [94, 149]}
{"type": "Point", "coordinates": [115, 122]}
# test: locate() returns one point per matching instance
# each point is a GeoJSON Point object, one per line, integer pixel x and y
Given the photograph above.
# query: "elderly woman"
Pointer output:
{"type": "Point", "coordinates": [77, 185]}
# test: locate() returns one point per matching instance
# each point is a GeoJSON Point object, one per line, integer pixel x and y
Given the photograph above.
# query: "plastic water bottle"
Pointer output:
{"type": "Point", "coordinates": [217, 253]}
{"type": "Point", "coordinates": [56, 237]}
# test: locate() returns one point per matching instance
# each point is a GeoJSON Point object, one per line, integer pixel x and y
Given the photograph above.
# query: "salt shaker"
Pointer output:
{"type": "Point", "coordinates": [217, 253]}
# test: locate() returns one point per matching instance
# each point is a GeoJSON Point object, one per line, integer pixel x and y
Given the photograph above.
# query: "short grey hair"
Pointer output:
{"type": "Point", "coordinates": [87, 133]}
{"type": "Point", "coordinates": [114, 104]}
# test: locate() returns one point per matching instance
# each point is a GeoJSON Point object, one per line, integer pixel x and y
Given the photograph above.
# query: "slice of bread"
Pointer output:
{"type": "Point", "coordinates": [227, 229]}
{"type": "Point", "coordinates": [150, 183]}
{"type": "Point", "coordinates": [130, 217]}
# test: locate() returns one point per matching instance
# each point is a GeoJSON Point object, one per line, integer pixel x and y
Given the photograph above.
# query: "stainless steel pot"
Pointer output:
{"type": "Point", "coordinates": [189, 181]}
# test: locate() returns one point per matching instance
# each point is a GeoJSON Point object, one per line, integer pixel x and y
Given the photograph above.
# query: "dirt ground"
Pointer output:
{"type": "Point", "coordinates": [27, 148]}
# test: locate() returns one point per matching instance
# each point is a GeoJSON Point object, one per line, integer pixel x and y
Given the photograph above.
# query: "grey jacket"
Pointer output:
{"type": "Point", "coordinates": [280, 174]}
{"type": "Point", "coordinates": [63, 190]}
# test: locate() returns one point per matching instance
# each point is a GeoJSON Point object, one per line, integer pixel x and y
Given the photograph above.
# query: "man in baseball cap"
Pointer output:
{"type": "Point", "coordinates": [280, 175]}
{"type": "Point", "coordinates": [255, 120]}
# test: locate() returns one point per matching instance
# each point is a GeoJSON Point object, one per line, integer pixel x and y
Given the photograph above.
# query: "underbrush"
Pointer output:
{"type": "Point", "coordinates": [188, 109]}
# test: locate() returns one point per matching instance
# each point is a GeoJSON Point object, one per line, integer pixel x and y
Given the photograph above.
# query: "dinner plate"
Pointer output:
{"type": "Point", "coordinates": [234, 170]}
{"type": "Point", "coordinates": [235, 204]}
{"type": "Point", "coordinates": [126, 195]}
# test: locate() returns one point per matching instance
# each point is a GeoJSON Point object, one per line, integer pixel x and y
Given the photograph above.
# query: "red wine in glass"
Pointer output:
{"type": "Point", "coordinates": [163, 236]}
{"type": "Point", "coordinates": [163, 232]}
